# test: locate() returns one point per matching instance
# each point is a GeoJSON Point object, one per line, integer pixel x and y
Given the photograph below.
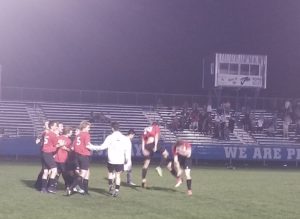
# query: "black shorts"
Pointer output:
{"type": "Point", "coordinates": [61, 168]}
{"type": "Point", "coordinates": [71, 166]}
{"type": "Point", "coordinates": [82, 162]}
{"type": "Point", "coordinates": [150, 147]}
{"type": "Point", "coordinates": [185, 162]}
{"type": "Point", "coordinates": [115, 167]}
{"type": "Point", "coordinates": [48, 161]}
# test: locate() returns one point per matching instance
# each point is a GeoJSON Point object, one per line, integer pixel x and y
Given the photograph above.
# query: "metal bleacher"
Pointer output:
{"type": "Point", "coordinates": [193, 136]}
{"type": "Point", "coordinates": [238, 137]}
{"type": "Point", "coordinates": [73, 114]}
{"type": "Point", "coordinates": [26, 119]}
{"type": "Point", "coordinates": [15, 120]}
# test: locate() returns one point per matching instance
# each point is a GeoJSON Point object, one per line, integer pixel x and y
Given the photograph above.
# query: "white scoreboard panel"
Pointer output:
{"type": "Point", "coordinates": [233, 70]}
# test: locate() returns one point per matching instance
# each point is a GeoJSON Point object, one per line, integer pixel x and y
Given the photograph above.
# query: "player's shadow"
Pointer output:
{"type": "Point", "coordinates": [164, 189]}
{"type": "Point", "coordinates": [29, 183]}
{"type": "Point", "coordinates": [100, 191]}
{"type": "Point", "coordinates": [134, 187]}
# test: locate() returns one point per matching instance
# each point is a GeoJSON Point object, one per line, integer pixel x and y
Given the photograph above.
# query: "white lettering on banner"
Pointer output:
{"type": "Point", "coordinates": [277, 153]}
{"type": "Point", "coordinates": [243, 154]}
{"type": "Point", "coordinates": [257, 154]}
{"type": "Point", "coordinates": [230, 152]}
{"type": "Point", "coordinates": [290, 153]}
{"type": "Point", "coordinates": [267, 153]}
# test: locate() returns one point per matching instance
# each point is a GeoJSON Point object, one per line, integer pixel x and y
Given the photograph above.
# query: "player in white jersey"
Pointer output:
{"type": "Point", "coordinates": [116, 145]}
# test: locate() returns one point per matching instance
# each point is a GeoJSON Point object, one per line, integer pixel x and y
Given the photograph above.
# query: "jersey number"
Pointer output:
{"type": "Point", "coordinates": [78, 142]}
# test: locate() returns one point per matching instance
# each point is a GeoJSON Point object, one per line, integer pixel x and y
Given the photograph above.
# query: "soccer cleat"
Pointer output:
{"type": "Point", "coordinates": [189, 192]}
{"type": "Point", "coordinates": [68, 191]}
{"type": "Point", "coordinates": [115, 193]}
{"type": "Point", "coordinates": [52, 190]}
{"type": "Point", "coordinates": [79, 190]}
{"type": "Point", "coordinates": [43, 190]}
{"type": "Point", "coordinates": [131, 183]}
{"type": "Point", "coordinates": [111, 189]}
{"type": "Point", "coordinates": [179, 182]}
{"type": "Point", "coordinates": [159, 171]}
{"type": "Point", "coordinates": [144, 184]}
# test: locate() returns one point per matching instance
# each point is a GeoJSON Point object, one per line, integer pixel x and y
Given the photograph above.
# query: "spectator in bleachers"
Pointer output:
{"type": "Point", "coordinates": [272, 126]}
{"type": "Point", "coordinates": [194, 117]}
{"type": "Point", "coordinates": [285, 126]}
{"type": "Point", "coordinates": [201, 120]}
{"type": "Point", "coordinates": [260, 124]}
{"type": "Point", "coordinates": [247, 122]}
{"type": "Point", "coordinates": [297, 118]}
{"type": "Point", "coordinates": [207, 125]}
{"type": "Point", "coordinates": [217, 126]}
{"type": "Point", "coordinates": [231, 123]}
{"type": "Point", "coordinates": [91, 117]}
{"type": "Point", "coordinates": [175, 124]}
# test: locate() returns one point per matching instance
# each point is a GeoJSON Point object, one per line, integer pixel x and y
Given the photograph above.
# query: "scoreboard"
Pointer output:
{"type": "Point", "coordinates": [237, 70]}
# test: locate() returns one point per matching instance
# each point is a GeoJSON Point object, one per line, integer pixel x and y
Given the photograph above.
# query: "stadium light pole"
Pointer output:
{"type": "Point", "coordinates": [203, 69]}
{"type": "Point", "coordinates": [0, 82]}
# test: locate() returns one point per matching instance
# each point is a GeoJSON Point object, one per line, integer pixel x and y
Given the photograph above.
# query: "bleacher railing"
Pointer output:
{"type": "Point", "coordinates": [132, 98]}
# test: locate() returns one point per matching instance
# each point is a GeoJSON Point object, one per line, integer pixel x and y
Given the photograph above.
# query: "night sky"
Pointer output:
{"type": "Point", "coordinates": [144, 45]}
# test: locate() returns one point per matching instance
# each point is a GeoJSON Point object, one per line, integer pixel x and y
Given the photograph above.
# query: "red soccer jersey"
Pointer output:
{"type": "Point", "coordinates": [181, 149]}
{"type": "Point", "coordinates": [151, 131]}
{"type": "Point", "coordinates": [81, 141]}
{"type": "Point", "coordinates": [50, 142]}
{"type": "Point", "coordinates": [61, 154]}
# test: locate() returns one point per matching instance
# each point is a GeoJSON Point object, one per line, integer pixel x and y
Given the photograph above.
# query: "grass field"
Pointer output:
{"type": "Point", "coordinates": [217, 193]}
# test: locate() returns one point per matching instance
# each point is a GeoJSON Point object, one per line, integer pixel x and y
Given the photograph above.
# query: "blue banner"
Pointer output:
{"type": "Point", "coordinates": [26, 146]}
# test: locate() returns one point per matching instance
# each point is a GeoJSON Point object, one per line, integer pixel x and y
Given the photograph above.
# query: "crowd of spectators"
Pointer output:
{"type": "Point", "coordinates": [201, 119]}
{"type": "Point", "coordinates": [221, 123]}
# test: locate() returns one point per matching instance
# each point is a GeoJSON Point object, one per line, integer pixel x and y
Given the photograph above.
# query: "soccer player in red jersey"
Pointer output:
{"type": "Point", "coordinates": [61, 155]}
{"type": "Point", "coordinates": [40, 141]}
{"type": "Point", "coordinates": [50, 145]}
{"type": "Point", "coordinates": [182, 151]}
{"type": "Point", "coordinates": [81, 142]}
{"type": "Point", "coordinates": [150, 145]}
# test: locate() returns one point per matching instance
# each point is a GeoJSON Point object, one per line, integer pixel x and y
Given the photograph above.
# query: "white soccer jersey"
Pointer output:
{"type": "Point", "coordinates": [116, 145]}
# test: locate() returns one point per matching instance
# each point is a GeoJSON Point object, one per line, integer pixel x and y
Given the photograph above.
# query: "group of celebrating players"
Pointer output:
{"type": "Point", "coordinates": [63, 153]}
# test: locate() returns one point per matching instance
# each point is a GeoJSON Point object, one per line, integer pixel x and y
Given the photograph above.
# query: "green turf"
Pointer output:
{"type": "Point", "coordinates": [217, 193]}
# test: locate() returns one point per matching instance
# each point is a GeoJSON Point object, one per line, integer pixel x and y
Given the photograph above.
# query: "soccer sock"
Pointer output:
{"type": "Point", "coordinates": [86, 185]}
{"type": "Point", "coordinates": [44, 183]}
{"type": "Point", "coordinates": [128, 176]}
{"type": "Point", "coordinates": [110, 181]}
{"type": "Point", "coordinates": [65, 177]}
{"type": "Point", "coordinates": [77, 181]}
{"type": "Point", "coordinates": [163, 162]}
{"type": "Point", "coordinates": [52, 182]}
{"type": "Point", "coordinates": [57, 177]}
{"type": "Point", "coordinates": [117, 187]}
{"type": "Point", "coordinates": [189, 184]}
{"type": "Point", "coordinates": [38, 183]}
{"type": "Point", "coordinates": [144, 173]}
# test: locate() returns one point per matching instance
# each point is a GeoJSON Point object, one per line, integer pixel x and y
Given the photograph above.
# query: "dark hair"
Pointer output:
{"type": "Point", "coordinates": [67, 130]}
{"type": "Point", "coordinates": [155, 123]}
{"type": "Point", "coordinates": [131, 132]}
{"type": "Point", "coordinates": [115, 126]}
{"type": "Point", "coordinates": [51, 123]}
{"type": "Point", "coordinates": [179, 142]}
